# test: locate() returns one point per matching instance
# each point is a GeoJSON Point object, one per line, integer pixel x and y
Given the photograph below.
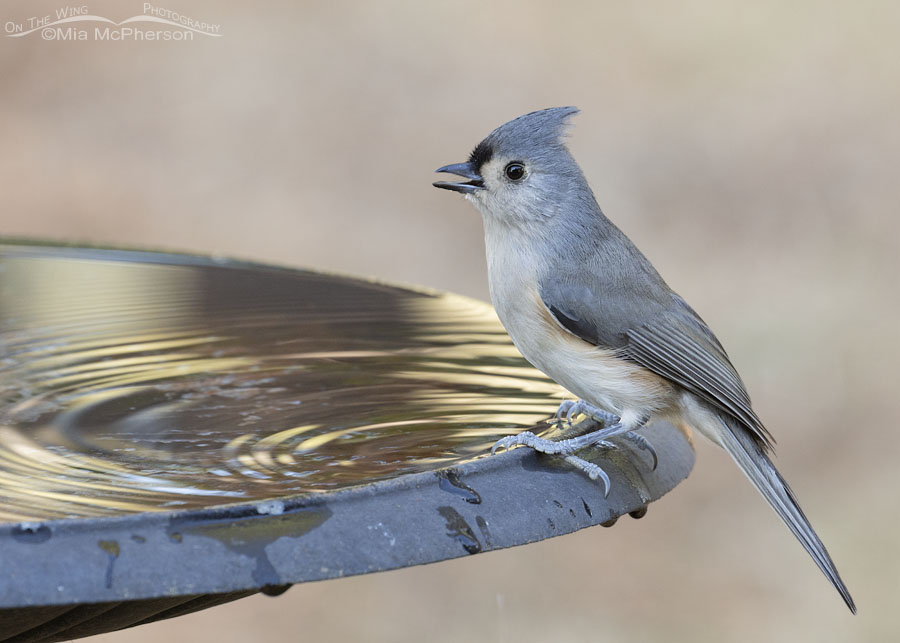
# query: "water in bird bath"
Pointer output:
{"type": "Point", "coordinates": [135, 382]}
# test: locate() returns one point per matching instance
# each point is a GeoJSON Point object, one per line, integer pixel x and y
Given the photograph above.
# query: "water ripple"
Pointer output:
{"type": "Point", "coordinates": [157, 382]}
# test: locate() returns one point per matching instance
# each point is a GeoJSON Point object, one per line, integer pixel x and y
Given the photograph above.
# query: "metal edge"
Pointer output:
{"type": "Point", "coordinates": [488, 503]}
{"type": "Point", "coordinates": [42, 248]}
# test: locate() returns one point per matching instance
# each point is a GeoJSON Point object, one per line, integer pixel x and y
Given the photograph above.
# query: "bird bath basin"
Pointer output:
{"type": "Point", "coordinates": [180, 431]}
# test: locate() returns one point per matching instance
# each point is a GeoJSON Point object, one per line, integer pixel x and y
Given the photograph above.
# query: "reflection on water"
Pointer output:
{"type": "Point", "coordinates": [133, 382]}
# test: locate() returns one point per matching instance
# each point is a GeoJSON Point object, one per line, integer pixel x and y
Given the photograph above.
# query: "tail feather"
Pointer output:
{"type": "Point", "coordinates": [757, 466]}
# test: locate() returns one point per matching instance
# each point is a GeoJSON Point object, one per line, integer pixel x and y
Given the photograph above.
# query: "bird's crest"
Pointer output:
{"type": "Point", "coordinates": [533, 135]}
{"type": "Point", "coordinates": [545, 127]}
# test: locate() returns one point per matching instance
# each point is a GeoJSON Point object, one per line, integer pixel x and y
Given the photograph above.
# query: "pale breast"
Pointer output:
{"type": "Point", "coordinates": [591, 373]}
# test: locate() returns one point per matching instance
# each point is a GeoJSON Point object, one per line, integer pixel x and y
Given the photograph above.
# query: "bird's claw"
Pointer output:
{"type": "Point", "coordinates": [592, 471]}
{"type": "Point", "coordinates": [569, 410]}
{"type": "Point", "coordinates": [642, 443]}
{"type": "Point", "coordinates": [563, 413]}
{"type": "Point", "coordinates": [505, 443]}
{"type": "Point", "coordinates": [529, 439]}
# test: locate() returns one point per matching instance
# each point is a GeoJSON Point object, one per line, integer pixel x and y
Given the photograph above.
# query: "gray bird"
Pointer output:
{"type": "Point", "coordinates": [583, 305]}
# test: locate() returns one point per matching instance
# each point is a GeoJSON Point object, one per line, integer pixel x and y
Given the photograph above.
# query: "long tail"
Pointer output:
{"type": "Point", "coordinates": [757, 466]}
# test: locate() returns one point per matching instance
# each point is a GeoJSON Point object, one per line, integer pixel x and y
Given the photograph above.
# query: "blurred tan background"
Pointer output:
{"type": "Point", "coordinates": [750, 149]}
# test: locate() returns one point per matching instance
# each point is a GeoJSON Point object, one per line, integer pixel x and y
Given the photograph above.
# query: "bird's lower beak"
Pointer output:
{"type": "Point", "coordinates": [465, 170]}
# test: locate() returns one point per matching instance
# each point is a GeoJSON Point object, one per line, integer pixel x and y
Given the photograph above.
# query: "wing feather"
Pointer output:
{"type": "Point", "coordinates": [659, 331]}
{"type": "Point", "coordinates": [667, 350]}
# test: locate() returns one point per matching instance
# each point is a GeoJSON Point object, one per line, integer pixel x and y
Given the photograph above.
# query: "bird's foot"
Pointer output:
{"type": "Point", "coordinates": [601, 438]}
{"type": "Point", "coordinates": [568, 448]}
{"type": "Point", "coordinates": [529, 439]}
{"type": "Point", "coordinates": [569, 410]}
{"type": "Point", "coordinates": [563, 447]}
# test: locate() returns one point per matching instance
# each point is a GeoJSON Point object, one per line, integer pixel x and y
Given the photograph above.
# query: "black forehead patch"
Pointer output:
{"type": "Point", "coordinates": [481, 154]}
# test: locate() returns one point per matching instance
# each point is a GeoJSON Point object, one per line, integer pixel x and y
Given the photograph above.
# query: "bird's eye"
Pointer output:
{"type": "Point", "coordinates": [515, 171]}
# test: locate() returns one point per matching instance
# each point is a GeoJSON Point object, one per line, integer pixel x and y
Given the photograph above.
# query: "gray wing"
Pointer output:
{"type": "Point", "coordinates": [654, 327]}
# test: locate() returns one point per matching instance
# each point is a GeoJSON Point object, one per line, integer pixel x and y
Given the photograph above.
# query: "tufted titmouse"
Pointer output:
{"type": "Point", "coordinates": [583, 305]}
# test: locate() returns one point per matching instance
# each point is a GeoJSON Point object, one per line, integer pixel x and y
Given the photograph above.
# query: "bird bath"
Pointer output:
{"type": "Point", "coordinates": [179, 431]}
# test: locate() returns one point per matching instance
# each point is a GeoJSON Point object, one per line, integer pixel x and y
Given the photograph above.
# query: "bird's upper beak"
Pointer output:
{"type": "Point", "coordinates": [465, 170]}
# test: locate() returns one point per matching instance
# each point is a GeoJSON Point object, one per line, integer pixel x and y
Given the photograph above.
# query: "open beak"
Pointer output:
{"type": "Point", "coordinates": [465, 170]}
